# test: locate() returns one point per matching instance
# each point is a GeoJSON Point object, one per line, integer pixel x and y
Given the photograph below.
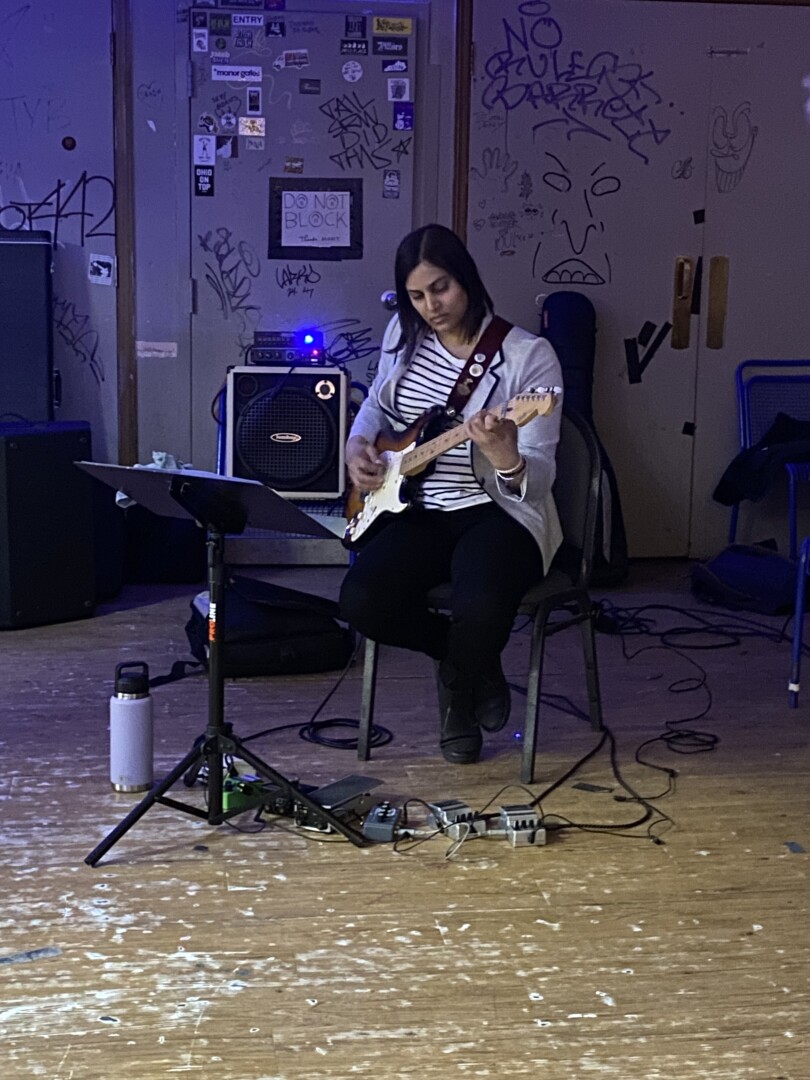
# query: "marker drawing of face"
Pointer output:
{"type": "Point", "coordinates": [576, 223]}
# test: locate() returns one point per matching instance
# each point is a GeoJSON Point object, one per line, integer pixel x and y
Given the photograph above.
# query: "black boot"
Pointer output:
{"type": "Point", "coordinates": [460, 740]}
{"type": "Point", "coordinates": [491, 700]}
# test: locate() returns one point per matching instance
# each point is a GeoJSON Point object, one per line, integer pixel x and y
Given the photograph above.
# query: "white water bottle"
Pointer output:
{"type": "Point", "coordinates": [131, 738]}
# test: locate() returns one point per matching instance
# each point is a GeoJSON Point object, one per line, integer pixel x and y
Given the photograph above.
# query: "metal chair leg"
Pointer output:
{"type": "Point", "coordinates": [533, 695]}
{"type": "Point", "coordinates": [732, 526]}
{"type": "Point", "coordinates": [798, 626]}
{"type": "Point", "coordinates": [370, 659]}
{"type": "Point", "coordinates": [591, 666]}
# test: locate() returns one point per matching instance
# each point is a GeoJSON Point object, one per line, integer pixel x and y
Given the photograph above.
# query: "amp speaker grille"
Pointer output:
{"type": "Point", "coordinates": [287, 427]}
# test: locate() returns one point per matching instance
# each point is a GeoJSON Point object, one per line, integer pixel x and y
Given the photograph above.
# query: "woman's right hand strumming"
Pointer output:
{"type": "Point", "coordinates": [365, 467]}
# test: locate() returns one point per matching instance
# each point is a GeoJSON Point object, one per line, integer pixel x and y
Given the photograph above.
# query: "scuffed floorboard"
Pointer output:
{"type": "Point", "coordinates": [280, 955]}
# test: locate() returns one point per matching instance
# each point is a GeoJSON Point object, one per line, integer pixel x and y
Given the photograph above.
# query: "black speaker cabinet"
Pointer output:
{"type": "Point", "coordinates": [286, 427]}
{"type": "Point", "coordinates": [26, 326]}
{"type": "Point", "coordinates": [47, 571]}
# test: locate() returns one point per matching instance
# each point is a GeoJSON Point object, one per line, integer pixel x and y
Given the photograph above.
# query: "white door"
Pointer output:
{"type": "Point", "coordinates": [757, 216]}
{"type": "Point", "coordinates": [604, 140]}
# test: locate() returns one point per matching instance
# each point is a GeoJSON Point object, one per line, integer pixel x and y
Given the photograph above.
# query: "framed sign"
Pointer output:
{"type": "Point", "coordinates": [315, 219]}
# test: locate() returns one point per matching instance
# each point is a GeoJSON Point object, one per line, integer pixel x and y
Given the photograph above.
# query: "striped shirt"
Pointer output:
{"type": "Point", "coordinates": [431, 375]}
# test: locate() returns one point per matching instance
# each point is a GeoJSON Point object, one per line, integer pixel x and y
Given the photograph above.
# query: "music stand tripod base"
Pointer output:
{"type": "Point", "coordinates": [220, 505]}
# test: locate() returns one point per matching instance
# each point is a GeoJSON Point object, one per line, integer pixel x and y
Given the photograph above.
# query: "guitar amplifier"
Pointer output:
{"type": "Point", "coordinates": [286, 427]}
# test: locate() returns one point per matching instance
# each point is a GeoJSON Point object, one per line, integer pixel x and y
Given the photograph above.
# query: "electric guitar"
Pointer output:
{"type": "Point", "coordinates": [405, 455]}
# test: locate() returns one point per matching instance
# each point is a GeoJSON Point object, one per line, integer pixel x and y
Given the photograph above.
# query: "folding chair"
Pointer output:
{"type": "Point", "coordinates": [765, 388]}
{"type": "Point", "coordinates": [576, 492]}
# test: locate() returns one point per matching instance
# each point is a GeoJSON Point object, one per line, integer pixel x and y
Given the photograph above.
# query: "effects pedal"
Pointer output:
{"type": "Point", "coordinates": [349, 797]}
{"type": "Point", "coordinates": [381, 823]}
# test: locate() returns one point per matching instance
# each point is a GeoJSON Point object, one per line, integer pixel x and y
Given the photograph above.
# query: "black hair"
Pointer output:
{"type": "Point", "coordinates": [440, 246]}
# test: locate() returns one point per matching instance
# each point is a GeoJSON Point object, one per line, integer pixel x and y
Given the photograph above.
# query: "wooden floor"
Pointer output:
{"type": "Point", "coordinates": [237, 955]}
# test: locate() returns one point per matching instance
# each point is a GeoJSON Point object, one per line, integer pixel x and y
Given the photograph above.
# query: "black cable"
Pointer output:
{"type": "Point", "coordinates": [414, 842]}
{"type": "Point", "coordinates": [312, 730]}
{"type": "Point", "coordinates": [626, 621]}
{"type": "Point", "coordinates": [300, 830]}
{"type": "Point", "coordinates": [632, 795]}
{"type": "Point", "coordinates": [214, 406]}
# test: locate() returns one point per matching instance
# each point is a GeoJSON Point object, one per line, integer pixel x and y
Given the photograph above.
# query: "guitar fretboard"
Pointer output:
{"type": "Point", "coordinates": [533, 405]}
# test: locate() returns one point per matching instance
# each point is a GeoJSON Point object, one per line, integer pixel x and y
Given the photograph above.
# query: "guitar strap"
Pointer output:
{"type": "Point", "coordinates": [477, 364]}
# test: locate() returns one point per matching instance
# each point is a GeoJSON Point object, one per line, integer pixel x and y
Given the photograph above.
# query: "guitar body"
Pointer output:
{"type": "Point", "coordinates": [412, 453]}
{"type": "Point", "coordinates": [367, 511]}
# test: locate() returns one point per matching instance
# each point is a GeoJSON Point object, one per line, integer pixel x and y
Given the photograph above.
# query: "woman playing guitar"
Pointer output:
{"type": "Point", "coordinates": [483, 516]}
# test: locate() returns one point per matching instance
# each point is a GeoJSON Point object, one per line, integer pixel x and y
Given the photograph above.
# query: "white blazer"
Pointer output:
{"type": "Point", "coordinates": [524, 362]}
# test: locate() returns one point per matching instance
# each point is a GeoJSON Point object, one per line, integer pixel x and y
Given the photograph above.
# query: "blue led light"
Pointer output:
{"type": "Point", "coordinates": [308, 339]}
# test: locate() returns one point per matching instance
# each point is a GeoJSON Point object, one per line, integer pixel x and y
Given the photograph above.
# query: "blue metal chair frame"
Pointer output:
{"type": "Point", "coordinates": [798, 625]}
{"type": "Point", "coordinates": [765, 388]}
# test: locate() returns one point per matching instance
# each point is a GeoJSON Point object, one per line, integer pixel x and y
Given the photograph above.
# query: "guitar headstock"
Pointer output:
{"type": "Point", "coordinates": [525, 407]}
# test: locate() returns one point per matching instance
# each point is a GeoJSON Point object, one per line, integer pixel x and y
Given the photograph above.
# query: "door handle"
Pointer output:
{"type": "Point", "coordinates": [718, 302]}
{"type": "Point", "coordinates": [684, 284]}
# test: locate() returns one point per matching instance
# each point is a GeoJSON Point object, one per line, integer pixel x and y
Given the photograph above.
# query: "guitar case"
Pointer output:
{"type": "Point", "coordinates": [568, 322]}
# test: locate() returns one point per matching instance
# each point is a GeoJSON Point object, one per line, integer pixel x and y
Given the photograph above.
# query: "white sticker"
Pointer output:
{"type": "Point", "coordinates": [392, 182]}
{"type": "Point", "coordinates": [233, 73]}
{"type": "Point", "coordinates": [316, 219]}
{"type": "Point", "coordinates": [199, 41]}
{"type": "Point", "coordinates": [101, 269]}
{"type": "Point", "coordinates": [247, 20]}
{"type": "Point", "coordinates": [399, 89]}
{"type": "Point", "coordinates": [251, 125]}
{"type": "Point", "coordinates": [352, 71]}
{"type": "Point", "coordinates": [227, 122]}
{"type": "Point", "coordinates": [205, 148]}
{"type": "Point", "coordinates": [254, 101]}
{"type": "Point", "coordinates": [156, 350]}
{"type": "Point", "coordinates": [254, 144]}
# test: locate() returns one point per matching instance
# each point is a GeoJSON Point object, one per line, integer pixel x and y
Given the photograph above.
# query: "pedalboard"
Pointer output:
{"type": "Point", "coordinates": [344, 799]}
{"type": "Point", "coordinates": [350, 798]}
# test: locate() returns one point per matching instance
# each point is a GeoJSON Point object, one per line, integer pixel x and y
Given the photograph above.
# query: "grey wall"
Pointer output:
{"type": "Point", "coordinates": [56, 174]}
{"type": "Point", "coordinates": [56, 83]}
{"type": "Point", "coordinates": [163, 206]}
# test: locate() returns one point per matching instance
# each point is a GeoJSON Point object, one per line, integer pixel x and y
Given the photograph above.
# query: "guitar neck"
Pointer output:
{"type": "Point", "coordinates": [538, 404]}
{"type": "Point", "coordinates": [415, 460]}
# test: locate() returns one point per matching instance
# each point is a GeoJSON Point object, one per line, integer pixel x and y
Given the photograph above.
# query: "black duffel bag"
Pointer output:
{"type": "Point", "coordinates": [271, 630]}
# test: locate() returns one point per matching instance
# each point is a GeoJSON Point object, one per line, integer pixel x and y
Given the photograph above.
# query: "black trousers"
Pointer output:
{"type": "Point", "coordinates": [490, 561]}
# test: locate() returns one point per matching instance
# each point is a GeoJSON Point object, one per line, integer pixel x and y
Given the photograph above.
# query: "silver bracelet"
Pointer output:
{"type": "Point", "coordinates": [510, 474]}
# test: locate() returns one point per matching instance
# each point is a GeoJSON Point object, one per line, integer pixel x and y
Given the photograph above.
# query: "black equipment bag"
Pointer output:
{"type": "Point", "coordinates": [568, 322]}
{"type": "Point", "coordinates": [270, 630]}
{"type": "Point", "coordinates": [747, 577]}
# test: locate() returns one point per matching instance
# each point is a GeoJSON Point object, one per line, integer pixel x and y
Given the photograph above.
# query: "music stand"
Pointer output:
{"type": "Point", "coordinates": [220, 504]}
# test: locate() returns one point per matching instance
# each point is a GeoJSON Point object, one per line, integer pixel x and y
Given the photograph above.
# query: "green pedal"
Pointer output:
{"type": "Point", "coordinates": [238, 794]}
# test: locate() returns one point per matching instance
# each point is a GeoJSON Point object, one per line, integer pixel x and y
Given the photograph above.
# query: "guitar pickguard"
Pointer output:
{"type": "Point", "coordinates": [389, 499]}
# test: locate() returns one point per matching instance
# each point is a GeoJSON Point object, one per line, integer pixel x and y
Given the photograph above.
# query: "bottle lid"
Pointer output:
{"type": "Point", "coordinates": [133, 682]}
